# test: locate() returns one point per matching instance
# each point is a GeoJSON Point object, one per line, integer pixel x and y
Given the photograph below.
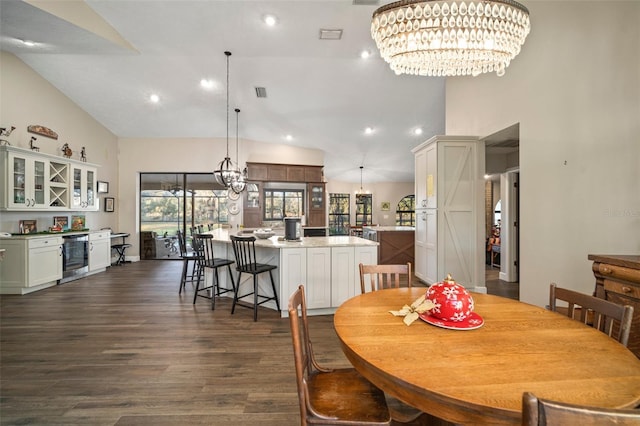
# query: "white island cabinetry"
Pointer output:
{"type": "Point", "coordinates": [326, 266]}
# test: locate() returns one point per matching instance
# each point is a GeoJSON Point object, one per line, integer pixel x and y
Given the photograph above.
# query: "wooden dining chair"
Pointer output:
{"type": "Point", "coordinates": [543, 412]}
{"type": "Point", "coordinates": [378, 277]}
{"type": "Point", "coordinates": [330, 396]}
{"type": "Point", "coordinates": [606, 316]}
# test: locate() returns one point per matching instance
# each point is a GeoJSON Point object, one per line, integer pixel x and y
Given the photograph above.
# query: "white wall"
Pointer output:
{"type": "Point", "coordinates": [575, 90]}
{"type": "Point", "coordinates": [26, 99]}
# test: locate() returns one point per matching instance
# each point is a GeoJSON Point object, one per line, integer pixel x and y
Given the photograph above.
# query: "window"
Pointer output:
{"type": "Point", "coordinates": [281, 203]}
{"type": "Point", "coordinates": [339, 214]}
{"type": "Point", "coordinates": [363, 209]}
{"type": "Point", "coordinates": [406, 211]}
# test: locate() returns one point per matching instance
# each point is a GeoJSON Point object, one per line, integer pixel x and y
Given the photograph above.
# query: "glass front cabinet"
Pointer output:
{"type": "Point", "coordinates": [34, 181]}
{"type": "Point", "coordinates": [84, 188]}
{"type": "Point", "coordinates": [27, 178]}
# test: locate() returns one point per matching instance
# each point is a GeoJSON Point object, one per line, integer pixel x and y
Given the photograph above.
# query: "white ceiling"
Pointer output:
{"type": "Point", "coordinates": [319, 91]}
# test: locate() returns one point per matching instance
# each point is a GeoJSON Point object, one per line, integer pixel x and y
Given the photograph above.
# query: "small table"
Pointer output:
{"type": "Point", "coordinates": [479, 376]}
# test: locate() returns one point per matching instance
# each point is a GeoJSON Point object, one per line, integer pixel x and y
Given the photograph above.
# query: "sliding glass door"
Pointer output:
{"type": "Point", "coordinates": [172, 202]}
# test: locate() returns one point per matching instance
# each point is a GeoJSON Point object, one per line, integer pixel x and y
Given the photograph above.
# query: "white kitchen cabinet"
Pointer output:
{"type": "Point", "coordinates": [36, 181]}
{"type": "Point", "coordinates": [26, 177]}
{"type": "Point", "coordinates": [30, 264]}
{"type": "Point", "coordinates": [450, 210]}
{"type": "Point", "coordinates": [83, 188]}
{"type": "Point", "coordinates": [310, 267]}
{"type": "Point", "coordinates": [99, 250]}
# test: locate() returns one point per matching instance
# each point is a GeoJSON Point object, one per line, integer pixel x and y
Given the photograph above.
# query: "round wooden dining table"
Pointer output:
{"type": "Point", "coordinates": [478, 376]}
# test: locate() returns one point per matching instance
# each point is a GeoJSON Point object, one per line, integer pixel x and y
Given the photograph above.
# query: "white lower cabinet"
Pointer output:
{"type": "Point", "coordinates": [99, 250]}
{"type": "Point", "coordinates": [30, 264]}
{"type": "Point", "coordinates": [330, 275]}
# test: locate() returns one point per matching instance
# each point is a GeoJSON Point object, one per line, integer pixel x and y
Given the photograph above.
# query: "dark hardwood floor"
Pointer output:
{"type": "Point", "coordinates": [123, 348]}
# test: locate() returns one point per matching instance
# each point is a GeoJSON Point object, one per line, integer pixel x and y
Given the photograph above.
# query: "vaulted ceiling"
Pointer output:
{"type": "Point", "coordinates": [110, 56]}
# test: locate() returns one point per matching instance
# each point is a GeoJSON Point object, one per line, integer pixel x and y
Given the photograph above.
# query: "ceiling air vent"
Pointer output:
{"type": "Point", "coordinates": [330, 34]}
{"type": "Point", "coordinates": [365, 2]}
{"type": "Point", "coordinates": [261, 92]}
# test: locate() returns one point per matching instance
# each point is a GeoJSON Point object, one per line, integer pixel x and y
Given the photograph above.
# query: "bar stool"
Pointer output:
{"type": "Point", "coordinates": [208, 260]}
{"type": "Point", "coordinates": [245, 252]}
{"type": "Point", "coordinates": [187, 256]}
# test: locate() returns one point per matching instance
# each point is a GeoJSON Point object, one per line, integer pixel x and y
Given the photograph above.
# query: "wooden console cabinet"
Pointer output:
{"type": "Point", "coordinates": [618, 280]}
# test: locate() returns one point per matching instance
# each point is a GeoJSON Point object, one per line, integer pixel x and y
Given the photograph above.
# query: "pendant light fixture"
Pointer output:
{"type": "Point", "coordinates": [240, 182]}
{"type": "Point", "coordinates": [361, 191]}
{"type": "Point", "coordinates": [226, 172]}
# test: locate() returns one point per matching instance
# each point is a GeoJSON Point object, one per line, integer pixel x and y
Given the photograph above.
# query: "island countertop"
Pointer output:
{"type": "Point", "coordinates": [304, 242]}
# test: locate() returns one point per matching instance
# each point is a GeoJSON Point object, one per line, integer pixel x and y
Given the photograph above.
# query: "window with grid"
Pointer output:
{"type": "Point", "coordinates": [363, 209]}
{"type": "Point", "coordinates": [281, 203]}
{"type": "Point", "coordinates": [339, 214]}
{"type": "Point", "coordinates": [406, 211]}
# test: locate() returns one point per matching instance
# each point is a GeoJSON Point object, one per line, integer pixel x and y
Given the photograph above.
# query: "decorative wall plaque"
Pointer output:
{"type": "Point", "coordinates": [41, 130]}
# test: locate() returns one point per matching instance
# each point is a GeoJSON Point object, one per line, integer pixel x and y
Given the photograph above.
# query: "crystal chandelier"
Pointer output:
{"type": "Point", "coordinates": [226, 172]}
{"type": "Point", "coordinates": [450, 38]}
{"type": "Point", "coordinates": [239, 183]}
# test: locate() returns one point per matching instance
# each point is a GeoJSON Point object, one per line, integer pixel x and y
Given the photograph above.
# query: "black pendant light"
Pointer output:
{"type": "Point", "coordinates": [226, 173]}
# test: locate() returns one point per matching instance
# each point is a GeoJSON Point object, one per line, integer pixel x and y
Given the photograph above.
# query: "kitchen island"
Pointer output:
{"type": "Point", "coordinates": [396, 243]}
{"type": "Point", "coordinates": [326, 266]}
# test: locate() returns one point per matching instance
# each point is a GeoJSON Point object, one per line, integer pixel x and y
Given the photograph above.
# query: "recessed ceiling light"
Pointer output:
{"type": "Point", "coordinates": [154, 98]}
{"type": "Point", "coordinates": [207, 83]}
{"type": "Point", "coordinates": [417, 131]}
{"type": "Point", "coordinates": [365, 54]}
{"type": "Point", "coordinates": [28, 43]}
{"type": "Point", "coordinates": [368, 130]}
{"type": "Point", "coordinates": [270, 20]}
{"type": "Point", "coordinates": [289, 137]}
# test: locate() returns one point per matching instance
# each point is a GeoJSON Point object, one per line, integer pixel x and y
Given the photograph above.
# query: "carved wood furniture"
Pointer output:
{"type": "Point", "coordinates": [478, 376]}
{"type": "Point", "coordinates": [618, 280]}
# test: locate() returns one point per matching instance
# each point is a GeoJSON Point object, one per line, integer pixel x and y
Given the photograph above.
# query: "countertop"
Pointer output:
{"type": "Point", "coordinates": [389, 228]}
{"type": "Point", "coordinates": [305, 242]}
{"type": "Point", "coordinates": [50, 234]}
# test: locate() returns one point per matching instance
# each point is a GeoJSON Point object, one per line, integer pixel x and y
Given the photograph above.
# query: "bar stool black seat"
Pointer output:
{"type": "Point", "coordinates": [245, 252]}
{"type": "Point", "coordinates": [120, 249]}
{"type": "Point", "coordinates": [187, 257]}
{"type": "Point", "coordinates": [204, 242]}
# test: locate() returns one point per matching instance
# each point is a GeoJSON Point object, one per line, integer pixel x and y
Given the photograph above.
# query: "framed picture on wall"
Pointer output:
{"type": "Point", "coordinates": [103, 187]}
{"type": "Point", "coordinates": [109, 204]}
{"type": "Point", "coordinates": [385, 206]}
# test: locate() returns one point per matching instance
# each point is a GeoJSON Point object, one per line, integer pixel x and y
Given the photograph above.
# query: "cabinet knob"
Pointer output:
{"type": "Point", "coordinates": [606, 270]}
{"type": "Point", "coordinates": [626, 289]}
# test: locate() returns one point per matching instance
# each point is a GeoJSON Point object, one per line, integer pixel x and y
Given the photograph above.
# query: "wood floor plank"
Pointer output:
{"type": "Point", "coordinates": [124, 348]}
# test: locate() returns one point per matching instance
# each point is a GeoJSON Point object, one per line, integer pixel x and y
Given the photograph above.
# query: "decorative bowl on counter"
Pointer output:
{"type": "Point", "coordinates": [264, 233]}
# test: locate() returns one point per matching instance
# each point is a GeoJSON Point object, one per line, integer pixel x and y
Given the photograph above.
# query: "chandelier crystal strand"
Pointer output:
{"type": "Point", "coordinates": [226, 173]}
{"type": "Point", "coordinates": [450, 38]}
{"type": "Point", "coordinates": [239, 183]}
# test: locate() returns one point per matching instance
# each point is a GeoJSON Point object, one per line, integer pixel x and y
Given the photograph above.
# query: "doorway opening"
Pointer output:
{"type": "Point", "coordinates": [502, 161]}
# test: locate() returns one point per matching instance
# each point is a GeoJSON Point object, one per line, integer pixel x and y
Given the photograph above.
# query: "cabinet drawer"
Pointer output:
{"type": "Point", "coordinates": [99, 236]}
{"type": "Point", "coordinates": [619, 272]}
{"type": "Point", "coordinates": [44, 242]}
{"type": "Point", "coordinates": [622, 288]}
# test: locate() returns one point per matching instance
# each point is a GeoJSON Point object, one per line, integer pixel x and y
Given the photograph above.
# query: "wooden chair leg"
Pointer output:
{"type": "Point", "coordinates": [235, 293]}
{"type": "Point", "coordinates": [183, 279]}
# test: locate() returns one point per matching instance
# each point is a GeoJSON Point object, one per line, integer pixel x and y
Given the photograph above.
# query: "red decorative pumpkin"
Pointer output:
{"type": "Point", "coordinates": [453, 301]}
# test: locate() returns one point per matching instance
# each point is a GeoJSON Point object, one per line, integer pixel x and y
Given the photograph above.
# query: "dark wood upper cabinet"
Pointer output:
{"type": "Point", "coordinates": [284, 172]}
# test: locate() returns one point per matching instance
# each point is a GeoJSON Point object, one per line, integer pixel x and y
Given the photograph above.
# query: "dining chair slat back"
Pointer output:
{"type": "Point", "coordinates": [608, 317]}
{"type": "Point", "coordinates": [209, 260]}
{"type": "Point", "coordinates": [330, 396]}
{"type": "Point", "coordinates": [378, 277]}
{"type": "Point", "coordinates": [543, 412]}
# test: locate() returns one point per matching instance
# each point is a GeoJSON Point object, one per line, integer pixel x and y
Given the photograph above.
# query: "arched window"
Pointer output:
{"type": "Point", "coordinates": [406, 211]}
